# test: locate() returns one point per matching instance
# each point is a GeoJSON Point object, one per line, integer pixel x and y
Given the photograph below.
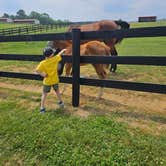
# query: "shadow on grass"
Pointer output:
{"type": "Point", "coordinates": [100, 106]}
{"type": "Point", "coordinates": [118, 109]}
{"type": "Point", "coordinates": [139, 116]}
{"type": "Point", "coordinates": [59, 112]}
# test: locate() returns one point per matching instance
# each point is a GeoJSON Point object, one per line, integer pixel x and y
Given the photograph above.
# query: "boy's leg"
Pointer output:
{"type": "Point", "coordinates": [56, 89]}
{"type": "Point", "coordinates": [46, 90]}
{"type": "Point", "coordinates": [43, 99]}
{"type": "Point", "coordinates": [58, 95]}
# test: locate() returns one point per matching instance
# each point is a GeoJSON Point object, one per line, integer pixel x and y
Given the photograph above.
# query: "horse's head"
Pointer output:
{"type": "Point", "coordinates": [123, 24]}
{"type": "Point", "coordinates": [58, 44]}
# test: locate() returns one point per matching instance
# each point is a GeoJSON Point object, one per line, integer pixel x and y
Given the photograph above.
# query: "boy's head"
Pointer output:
{"type": "Point", "coordinates": [48, 51]}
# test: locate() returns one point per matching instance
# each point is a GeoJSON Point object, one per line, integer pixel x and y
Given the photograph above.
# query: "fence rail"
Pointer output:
{"type": "Point", "coordinates": [91, 35]}
{"type": "Point", "coordinates": [143, 87]}
{"type": "Point", "coordinates": [129, 60]}
{"type": "Point", "coordinates": [31, 29]}
{"type": "Point", "coordinates": [76, 81]}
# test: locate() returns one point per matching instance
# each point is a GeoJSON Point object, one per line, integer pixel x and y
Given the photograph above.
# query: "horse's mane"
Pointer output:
{"type": "Point", "coordinates": [122, 24]}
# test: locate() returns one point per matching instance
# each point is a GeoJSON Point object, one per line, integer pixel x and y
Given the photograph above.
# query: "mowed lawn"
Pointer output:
{"type": "Point", "coordinates": [123, 128]}
{"type": "Point", "coordinates": [44, 30]}
{"type": "Point", "coordinates": [59, 138]}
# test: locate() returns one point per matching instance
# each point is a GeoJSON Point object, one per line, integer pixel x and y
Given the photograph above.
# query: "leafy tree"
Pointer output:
{"type": "Point", "coordinates": [46, 15]}
{"type": "Point", "coordinates": [34, 14]}
{"type": "Point", "coordinates": [12, 16]}
{"type": "Point", "coordinates": [21, 14]}
{"type": "Point", "coordinates": [5, 15]}
{"type": "Point", "coordinates": [44, 18]}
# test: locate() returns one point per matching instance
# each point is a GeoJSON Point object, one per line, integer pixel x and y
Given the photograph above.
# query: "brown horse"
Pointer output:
{"type": "Point", "coordinates": [105, 25]}
{"type": "Point", "coordinates": [90, 48]}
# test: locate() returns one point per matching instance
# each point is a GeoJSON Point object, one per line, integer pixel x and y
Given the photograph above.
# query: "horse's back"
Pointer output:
{"type": "Point", "coordinates": [96, 26]}
{"type": "Point", "coordinates": [85, 27]}
{"type": "Point", "coordinates": [95, 48]}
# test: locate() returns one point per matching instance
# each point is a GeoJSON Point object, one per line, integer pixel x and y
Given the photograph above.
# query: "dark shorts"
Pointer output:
{"type": "Point", "coordinates": [47, 88]}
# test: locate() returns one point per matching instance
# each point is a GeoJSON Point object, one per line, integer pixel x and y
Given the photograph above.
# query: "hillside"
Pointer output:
{"type": "Point", "coordinates": [10, 25]}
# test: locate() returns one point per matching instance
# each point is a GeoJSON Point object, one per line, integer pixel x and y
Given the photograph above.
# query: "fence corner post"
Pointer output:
{"type": "Point", "coordinates": [76, 67]}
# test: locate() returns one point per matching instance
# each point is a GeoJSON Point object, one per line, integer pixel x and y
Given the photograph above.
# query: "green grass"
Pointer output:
{"type": "Point", "coordinates": [147, 24]}
{"type": "Point", "coordinates": [22, 47]}
{"type": "Point", "coordinates": [56, 138]}
{"type": "Point", "coordinates": [143, 46]}
{"type": "Point", "coordinates": [11, 25]}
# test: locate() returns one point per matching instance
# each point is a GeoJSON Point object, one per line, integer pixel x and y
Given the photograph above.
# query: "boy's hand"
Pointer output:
{"type": "Point", "coordinates": [44, 75]}
{"type": "Point", "coordinates": [62, 51]}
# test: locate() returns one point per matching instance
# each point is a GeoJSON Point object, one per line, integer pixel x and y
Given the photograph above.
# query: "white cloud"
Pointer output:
{"type": "Point", "coordinates": [85, 10]}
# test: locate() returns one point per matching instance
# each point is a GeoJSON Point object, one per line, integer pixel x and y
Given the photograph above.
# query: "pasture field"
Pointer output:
{"type": "Point", "coordinates": [133, 24]}
{"type": "Point", "coordinates": [11, 25]}
{"type": "Point", "coordinates": [148, 24]}
{"type": "Point", "coordinates": [123, 128]}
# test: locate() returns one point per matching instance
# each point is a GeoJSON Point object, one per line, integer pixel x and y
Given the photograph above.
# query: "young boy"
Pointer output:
{"type": "Point", "coordinates": [48, 69]}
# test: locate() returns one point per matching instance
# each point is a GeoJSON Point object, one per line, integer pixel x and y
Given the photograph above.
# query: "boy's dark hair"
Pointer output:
{"type": "Point", "coordinates": [48, 51]}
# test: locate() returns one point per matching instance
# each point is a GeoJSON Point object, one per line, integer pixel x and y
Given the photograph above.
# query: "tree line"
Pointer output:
{"type": "Point", "coordinates": [44, 18]}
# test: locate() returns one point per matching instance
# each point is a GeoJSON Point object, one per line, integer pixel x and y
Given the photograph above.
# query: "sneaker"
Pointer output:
{"type": "Point", "coordinates": [61, 104]}
{"type": "Point", "coordinates": [42, 110]}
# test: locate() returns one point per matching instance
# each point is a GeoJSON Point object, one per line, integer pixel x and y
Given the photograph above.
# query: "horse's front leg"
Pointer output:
{"type": "Point", "coordinates": [60, 67]}
{"type": "Point", "coordinates": [68, 67]}
{"type": "Point", "coordinates": [100, 94]}
{"type": "Point", "coordinates": [102, 74]}
{"type": "Point", "coordinates": [113, 65]}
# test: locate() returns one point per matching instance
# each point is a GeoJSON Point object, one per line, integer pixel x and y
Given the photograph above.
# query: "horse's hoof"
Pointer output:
{"type": "Point", "coordinates": [112, 70]}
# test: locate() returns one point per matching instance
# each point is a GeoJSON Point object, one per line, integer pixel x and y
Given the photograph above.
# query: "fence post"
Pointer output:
{"type": "Point", "coordinates": [76, 67]}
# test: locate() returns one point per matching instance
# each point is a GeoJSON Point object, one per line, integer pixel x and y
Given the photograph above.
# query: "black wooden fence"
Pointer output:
{"type": "Point", "coordinates": [76, 81]}
{"type": "Point", "coordinates": [29, 29]}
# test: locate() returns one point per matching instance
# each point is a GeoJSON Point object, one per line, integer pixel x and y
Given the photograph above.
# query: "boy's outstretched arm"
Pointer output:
{"type": "Point", "coordinates": [62, 51]}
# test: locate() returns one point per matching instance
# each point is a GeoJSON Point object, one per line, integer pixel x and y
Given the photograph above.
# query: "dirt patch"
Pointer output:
{"type": "Point", "coordinates": [28, 88]}
{"type": "Point", "coordinates": [81, 113]}
{"type": "Point", "coordinates": [144, 102]}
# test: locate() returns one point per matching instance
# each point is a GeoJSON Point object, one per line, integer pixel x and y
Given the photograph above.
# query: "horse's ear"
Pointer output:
{"type": "Point", "coordinates": [122, 24]}
{"type": "Point", "coordinates": [50, 44]}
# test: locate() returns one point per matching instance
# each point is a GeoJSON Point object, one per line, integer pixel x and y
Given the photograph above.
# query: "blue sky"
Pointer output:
{"type": "Point", "coordinates": [88, 10]}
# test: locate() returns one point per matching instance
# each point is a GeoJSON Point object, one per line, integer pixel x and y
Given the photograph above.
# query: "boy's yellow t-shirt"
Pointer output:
{"type": "Point", "coordinates": [50, 67]}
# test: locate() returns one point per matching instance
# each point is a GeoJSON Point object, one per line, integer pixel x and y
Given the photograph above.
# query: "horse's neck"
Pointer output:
{"type": "Point", "coordinates": [62, 44]}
